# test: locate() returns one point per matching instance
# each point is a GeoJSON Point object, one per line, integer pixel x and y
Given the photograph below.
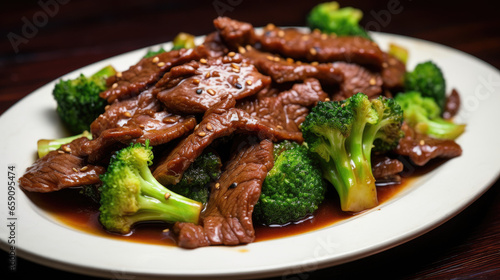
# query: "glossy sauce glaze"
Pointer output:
{"type": "Point", "coordinates": [74, 210]}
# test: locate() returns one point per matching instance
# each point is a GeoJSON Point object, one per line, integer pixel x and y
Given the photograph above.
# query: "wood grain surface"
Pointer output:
{"type": "Point", "coordinates": [73, 33]}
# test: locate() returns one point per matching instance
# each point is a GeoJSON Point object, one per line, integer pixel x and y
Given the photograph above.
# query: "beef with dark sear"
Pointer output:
{"type": "Point", "coordinates": [235, 33]}
{"type": "Point", "coordinates": [219, 121]}
{"type": "Point", "coordinates": [287, 70]}
{"type": "Point", "coordinates": [421, 148]}
{"type": "Point", "coordinates": [147, 72]}
{"type": "Point", "coordinates": [64, 168]}
{"type": "Point", "coordinates": [227, 219]}
{"type": "Point", "coordinates": [393, 73]}
{"type": "Point", "coordinates": [287, 109]}
{"type": "Point", "coordinates": [196, 86]}
{"type": "Point", "coordinates": [357, 79]}
{"type": "Point", "coordinates": [386, 169]}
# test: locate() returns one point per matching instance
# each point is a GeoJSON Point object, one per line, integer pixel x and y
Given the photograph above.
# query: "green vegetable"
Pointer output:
{"type": "Point", "coordinates": [78, 100]}
{"type": "Point", "coordinates": [130, 194]}
{"type": "Point", "coordinates": [342, 134]}
{"type": "Point", "coordinates": [328, 17]}
{"type": "Point", "coordinates": [195, 181]}
{"type": "Point", "coordinates": [183, 41]}
{"type": "Point", "coordinates": [293, 188]}
{"type": "Point", "coordinates": [424, 115]}
{"type": "Point", "coordinates": [399, 52]}
{"type": "Point", "coordinates": [427, 78]}
{"type": "Point", "coordinates": [44, 146]}
{"type": "Point", "coordinates": [152, 53]}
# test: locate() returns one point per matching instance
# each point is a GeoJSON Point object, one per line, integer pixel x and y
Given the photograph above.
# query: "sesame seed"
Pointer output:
{"type": "Point", "coordinates": [199, 91]}
{"type": "Point", "coordinates": [60, 152]}
{"type": "Point", "coordinates": [209, 127]}
{"type": "Point", "coordinates": [142, 126]}
{"type": "Point", "coordinates": [66, 149]}
{"type": "Point", "coordinates": [235, 66]}
{"type": "Point", "coordinates": [167, 195]}
{"type": "Point", "coordinates": [249, 82]}
{"type": "Point", "coordinates": [324, 36]}
{"type": "Point", "coordinates": [196, 127]}
{"type": "Point", "coordinates": [314, 63]}
{"type": "Point", "coordinates": [281, 33]}
{"type": "Point", "coordinates": [422, 142]}
{"type": "Point", "coordinates": [127, 114]}
{"type": "Point", "coordinates": [207, 75]}
{"type": "Point", "coordinates": [327, 99]}
{"type": "Point", "coordinates": [196, 81]}
{"type": "Point", "coordinates": [373, 81]}
{"type": "Point", "coordinates": [161, 64]}
{"type": "Point", "coordinates": [169, 120]}
{"type": "Point", "coordinates": [238, 86]}
{"type": "Point", "coordinates": [119, 74]}
{"type": "Point", "coordinates": [201, 134]}
{"type": "Point", "coordinates": [115, 85]}
{"type": "Point", "coordinates": [156, 59]}
{"type": "Point", "coordinates": [84, 168]}
{"type": "Point", "coordinates": [313, 51]}
{"type": "Point", "coordinates": [203, 61]}
{"type": "Point", "coordinates": [217, 186]}
{"type": "Point", "coordinates": [233, 185]}
{"type": "Point", "coordinates": [279, 127]}
{"type": "Point", "coordinates": [241, 49]}
{"type": "Point", "coordinates": [107, 107]}
{"type": "Point", "coordinates": [248, 47]}
{"type": "Point", "coordinates": [236, 70]}
{"type": "Point", "coordinates": [270, 57]}
{"type": "Point", "coordinates": [276, 58]}
{"type": "Point", "coordinates": [166, 230]}
{"type": "Point", "coordinates": [289, 60]}
{"type": "Point", "coordinates": [385, 65]}
{"type": "Point", "coordinates": [211, 91]}
{"type": "Point", "coordinates": [270, 26]}
{"type": "Point", "coordinates": [231, 54]}
{"type": "Point", "coordinates": [74, 169]}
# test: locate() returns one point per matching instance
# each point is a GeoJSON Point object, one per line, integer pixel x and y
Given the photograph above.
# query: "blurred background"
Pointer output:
{"type": "Point", "coordinates": [43, 40]}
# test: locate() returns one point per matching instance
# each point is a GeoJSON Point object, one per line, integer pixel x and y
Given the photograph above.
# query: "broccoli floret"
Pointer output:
{"type": "Point", "coordinates": [130, 194]}
{"type": "Point", "coordinates": [329, 18]}
{"type": "Point", "coordinates": [342, 134]}
{"type": "Point", "coordinates": [78, 100]}
{"type": "Point", "coordinates": [152, 53]}
{"type": "Point", "coordinates": [195, 181]}
{"type": "Point", "coordinates": [423, 114]}
{"type": "Point", "coordinates": [183, 41]}
{"type": "Point", "coordinates": [293, 189]}
{"type": "Point", "coordinates": [44, 146]}
{"type": "Point", "coordinates": [427, 78]}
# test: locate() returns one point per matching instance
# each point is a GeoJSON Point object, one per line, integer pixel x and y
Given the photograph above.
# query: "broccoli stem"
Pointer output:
{"type": "Point", "coordinates": [171, 209]}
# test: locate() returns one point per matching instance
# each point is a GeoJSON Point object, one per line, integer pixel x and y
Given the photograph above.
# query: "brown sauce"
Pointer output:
{"type": "Point", "coordinates": [74, 210]}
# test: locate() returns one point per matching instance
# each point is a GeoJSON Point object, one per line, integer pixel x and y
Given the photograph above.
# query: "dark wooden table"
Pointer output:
{"type": "Point", "coordinates": [65, 35]}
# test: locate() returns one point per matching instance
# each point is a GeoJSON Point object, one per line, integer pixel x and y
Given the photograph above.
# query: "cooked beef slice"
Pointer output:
{"type": "Point", "coordinates": [385, 168]}
{"type": "Point", "coordinates": [287, 109]}
{"type": "Point", "coordinates": [63, 168]}
{"type": "Point", "coordinates": [196, 86]}
{"type": "Point", "coordinates": [452, 105]}
{"type": "Point", "coordinates": [219, 121]}
{"type": "Point", "coordinates": [147, 72]}
{"type": "Point", "coordinates": [421, 148]}
{"type": "Point", "coordinates": [282, 70]}
{"type": "Point", "coordinates": [214, 45]}
{"type": "Point", "coordinates": [357, 79]}
{"type": "Point", "coordinates": [298, 45]}
{"type": "Point", "coordinates": [235, 33]}
{"type": "Point", "coordinates": [227, 219]}
{"type": "Point", "coordinates": [393, 73]}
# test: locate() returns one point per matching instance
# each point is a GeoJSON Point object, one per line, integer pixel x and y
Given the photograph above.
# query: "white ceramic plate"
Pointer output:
{"type": "Point", "coordinates": [427, 203]}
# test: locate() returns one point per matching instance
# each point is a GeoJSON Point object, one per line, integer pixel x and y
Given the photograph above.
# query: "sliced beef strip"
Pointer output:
{"type": "Point", "coordinates": [393, 73]}
{"type": "Point", "coordinates": [386, 169]}
{"type": "Point", "coordinates": [147, 72]}
{"type": "Point", "coordinates": [357, 79]}
{"type": "Point", "coordinates": [227, 219]}
{"type": "Point", "coordinates": [452, 105]}
{"type": "Point", "coordinates": [196, 86]}
{"type": "Point", "coordinates": [320, 47]}
{"type": "Point", "coordinates": [214, 45]}
{"type": "Point", "coordinates": [63, 168]}
{"type": "Point", "coordinates": [235, 33]}
{"type": "Point", "coordinates": [289, 108]}
{"type": "Point", "coordinates": [422, 148]}
{"type": "Point", "coordinates": [219, 121]}
{"type": "Point", "coordinates": [282, 70]}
